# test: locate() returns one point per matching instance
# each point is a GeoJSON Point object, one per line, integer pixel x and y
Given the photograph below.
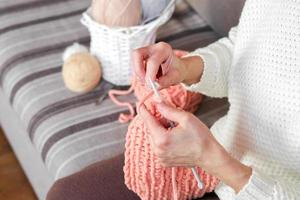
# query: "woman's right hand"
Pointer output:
{"type": "Point", "coordinates": [159, 62]}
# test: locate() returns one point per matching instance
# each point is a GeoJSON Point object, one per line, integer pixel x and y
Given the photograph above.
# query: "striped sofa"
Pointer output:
{"type": "Point", "coordinates": [53, 131]}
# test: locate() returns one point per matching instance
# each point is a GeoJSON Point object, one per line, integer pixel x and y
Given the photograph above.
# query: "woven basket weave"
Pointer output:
{"type": "Point", "coordinates": [113, 46]}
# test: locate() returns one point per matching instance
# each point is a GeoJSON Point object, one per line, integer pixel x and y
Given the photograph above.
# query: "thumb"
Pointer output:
{"type": "Point", "coordinates": [171, 113]}
{"type": "Point", "coordinates": [155, 127]}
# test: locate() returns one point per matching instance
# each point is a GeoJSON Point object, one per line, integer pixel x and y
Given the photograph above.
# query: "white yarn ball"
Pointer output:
{"type": "Point", "coordinates": [81, 71]}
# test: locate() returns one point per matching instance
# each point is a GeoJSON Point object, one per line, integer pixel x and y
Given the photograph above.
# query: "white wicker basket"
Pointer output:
{"type": "Point", "coordinates": [113, 46]}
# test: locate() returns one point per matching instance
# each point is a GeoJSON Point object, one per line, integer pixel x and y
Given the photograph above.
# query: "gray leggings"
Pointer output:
{"type": "Point", "coordinates": [101, 181]}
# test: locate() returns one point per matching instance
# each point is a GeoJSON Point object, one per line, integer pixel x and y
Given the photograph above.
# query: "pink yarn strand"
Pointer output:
{"type": "Point", "coordinates": [123, 118]}
{"type": "Point", "coordinates": [174, 184]}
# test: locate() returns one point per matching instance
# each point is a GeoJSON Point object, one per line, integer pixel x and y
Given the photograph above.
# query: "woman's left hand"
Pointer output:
{"type": "Point", "coordinates": [190, 144]}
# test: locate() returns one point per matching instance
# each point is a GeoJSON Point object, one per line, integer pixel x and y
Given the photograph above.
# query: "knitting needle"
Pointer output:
{"type": "Point", "coordinates": [154, 86]}
{"type": "Point", "coordinates": [197, 177]}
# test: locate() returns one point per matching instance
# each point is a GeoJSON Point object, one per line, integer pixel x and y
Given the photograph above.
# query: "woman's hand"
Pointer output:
{"type": "Point", "coordinates": [191, 143]}
{"type": "Point", "coordinates": [161, 63]}
{"type": "Point", "coordinates": [170, 145]}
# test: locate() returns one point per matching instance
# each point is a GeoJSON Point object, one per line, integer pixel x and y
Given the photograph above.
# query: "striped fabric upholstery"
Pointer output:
{"type": "Point", "coordinates": [69, 130]}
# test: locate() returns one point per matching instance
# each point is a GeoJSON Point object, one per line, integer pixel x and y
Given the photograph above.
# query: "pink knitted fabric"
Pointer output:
{"type": "Point", "coordinates": [142, 172]}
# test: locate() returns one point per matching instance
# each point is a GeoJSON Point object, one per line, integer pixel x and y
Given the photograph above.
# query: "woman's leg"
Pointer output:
{"type": "Point", "coordinates": [103, 180]}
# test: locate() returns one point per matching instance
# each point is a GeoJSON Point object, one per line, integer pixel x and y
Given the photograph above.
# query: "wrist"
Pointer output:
{"type": "Point", "coordinates": [182, 68]}
{"type": "Point", "coordinates": [239, 175]}
{"type": "Point", "coordinates": [226, 168]}
{"type": "Point", "coordinates": [194, 69]}
{"type": "Point", "coordinates": [233, 173]}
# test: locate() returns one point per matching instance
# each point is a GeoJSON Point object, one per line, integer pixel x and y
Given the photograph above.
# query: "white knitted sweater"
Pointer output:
{"type": "Point", "coordinates": [258, 68]}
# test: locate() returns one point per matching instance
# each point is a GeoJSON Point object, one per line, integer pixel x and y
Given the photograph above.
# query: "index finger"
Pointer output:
{"type": "Point", "coordinates": [138, 60]}
{"type": "Point", "coordinates": [159, 54]}
{"type": "Point", "coordinates": [156, 129]}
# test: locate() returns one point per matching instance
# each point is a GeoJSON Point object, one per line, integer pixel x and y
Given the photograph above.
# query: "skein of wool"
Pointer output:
{"type": "Point", "coordinates": [122, 13]}
{"type": "Point", "coordinates": [143, 174]}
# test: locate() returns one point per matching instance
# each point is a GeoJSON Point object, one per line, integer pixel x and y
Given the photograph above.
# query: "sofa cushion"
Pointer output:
{"type": "Point", "coordinates": [72, 131]}
{"type": "Point", "coordinates": [221, 15]}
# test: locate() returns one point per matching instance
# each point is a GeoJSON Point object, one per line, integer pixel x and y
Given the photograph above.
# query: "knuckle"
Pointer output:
{"type": "Point", "coordinates": [153, 62]}
{"type": "Point", "coordinates": [163, 45]}
{"type": "Point", "coordinates": [186, 118]}
{"type": "Point", "coordinates": [162, 143]}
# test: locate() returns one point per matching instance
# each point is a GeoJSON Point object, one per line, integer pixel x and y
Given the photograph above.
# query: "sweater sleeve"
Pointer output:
{"type": "Point", "coordinates": [262, 187]}
{"type": "Point", "coordinates": [217, 59]}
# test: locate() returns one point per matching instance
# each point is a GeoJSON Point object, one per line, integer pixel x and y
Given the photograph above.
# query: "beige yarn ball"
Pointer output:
{"type": "Point", "coordinates": [123, 13]}
{"type": "Point", "coordinates": [81, 72]}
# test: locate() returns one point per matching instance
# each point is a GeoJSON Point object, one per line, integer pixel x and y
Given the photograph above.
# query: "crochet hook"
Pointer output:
{"type": "Point", "coordinates": [154, 86]}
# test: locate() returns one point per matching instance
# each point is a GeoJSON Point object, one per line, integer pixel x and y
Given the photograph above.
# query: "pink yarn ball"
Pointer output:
{"type": "Point", "coordinates": [143, 174]}
{"type": "Point", "coordinates": [123, 13]}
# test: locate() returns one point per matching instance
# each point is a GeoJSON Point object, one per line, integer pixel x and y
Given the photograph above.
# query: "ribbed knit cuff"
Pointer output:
{"type": "Point", "coordinates": [209, 75]}
{"type": "Point", "coordinates": [258, 187]}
